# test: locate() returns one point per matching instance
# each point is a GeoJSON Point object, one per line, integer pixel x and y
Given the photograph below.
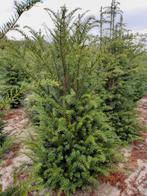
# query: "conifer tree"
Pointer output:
{"type": "Point", "coordinates": [20, 8]}
{"type": "Point", "coordinates": [76, 142]}
{"type": "Point", "coordinates": [82, 100]}
{"type": "Point", "coordinates": [119, 68]}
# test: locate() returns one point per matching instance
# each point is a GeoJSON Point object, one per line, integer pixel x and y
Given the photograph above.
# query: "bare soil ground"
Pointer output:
{"type": "Point", "coordinates": [17, 129]}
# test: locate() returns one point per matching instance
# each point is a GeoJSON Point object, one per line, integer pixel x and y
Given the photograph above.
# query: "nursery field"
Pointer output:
{"type": "Point", "coordinates": [73, 106]}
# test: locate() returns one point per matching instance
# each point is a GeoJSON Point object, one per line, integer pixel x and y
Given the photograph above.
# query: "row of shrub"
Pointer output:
{"type": "Point", "coordinates": [81, 97]}
{"type": "Point", "coordinates": [11, 80]}
{"type": "Point", "coordinates": [83, 101]}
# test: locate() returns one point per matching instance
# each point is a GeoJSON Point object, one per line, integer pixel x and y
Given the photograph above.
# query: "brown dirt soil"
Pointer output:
{"type": "Point", "coordinates": [16, 124]}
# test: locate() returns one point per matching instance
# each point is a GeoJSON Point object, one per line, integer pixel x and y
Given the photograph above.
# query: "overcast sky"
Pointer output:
{"type": "Point", "coordinates": [135, 12]}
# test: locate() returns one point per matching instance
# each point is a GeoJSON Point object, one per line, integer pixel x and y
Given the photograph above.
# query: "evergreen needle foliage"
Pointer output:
{"type": "Point", "coordinates": [20, 8]}
{"type": "Point", "coordinates": [9, 76]}
{"type": "Point", "coordinates": [12, 75]}
{"type": "Point", "coordinates": [117, 62]}
{"type": "Point", "coordinates": [76, 141]}
{"type": "Point", "coordinates": [78, 145]}
{"type": "Point", "coordinates": [82, 94]}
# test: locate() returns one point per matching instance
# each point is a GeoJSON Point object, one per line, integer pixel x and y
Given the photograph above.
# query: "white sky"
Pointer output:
{"type": "Point", "coordinates": [135, 12]}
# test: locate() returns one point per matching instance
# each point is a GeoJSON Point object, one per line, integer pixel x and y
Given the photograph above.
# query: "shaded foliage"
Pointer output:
{"type": "Point", "coordinates": [118, 92]}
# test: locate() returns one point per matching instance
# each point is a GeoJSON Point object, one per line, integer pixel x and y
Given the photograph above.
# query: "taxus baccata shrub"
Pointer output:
{"type": "Point", "coordinates": [118, 93]}
{"type": "Point", "coordinates": [77, 130]}
{"type": "Point", "coordinates": [78, 144]}
{"type": "Point", "coordinates": [12, 75]}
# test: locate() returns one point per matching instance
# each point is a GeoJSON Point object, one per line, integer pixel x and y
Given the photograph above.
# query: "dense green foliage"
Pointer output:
{"type": "Point", "coordinates": [9, 76]}
{"type": "Point", "coordinates": [118, 91]}
{"type": "Point", "coordinates": [12, 75]}
{"type": "Point", "coordinates": [84, 101]}
{"type": "Point", "coordinates": [78, 143]}
{"type": "Point", "coordinates": [139, 82]}
{"type": "Point", "coordinates": [82, 95]}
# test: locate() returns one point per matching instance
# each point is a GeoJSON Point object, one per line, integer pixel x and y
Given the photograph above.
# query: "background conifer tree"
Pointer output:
{"type": "Point", "coordinates": [20, 8]}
